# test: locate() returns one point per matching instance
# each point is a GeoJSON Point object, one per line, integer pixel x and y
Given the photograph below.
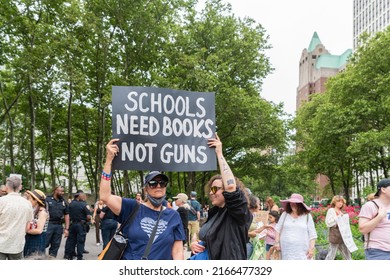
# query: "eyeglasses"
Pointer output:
{"type": "Point", "coordinates": [153, 184]}
{"type": "Point", "coordinates": [214, 189]}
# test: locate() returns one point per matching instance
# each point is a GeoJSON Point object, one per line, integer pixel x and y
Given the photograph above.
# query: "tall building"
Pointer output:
{"type": "Point", "coordinates": [369, 16]}
{"type": "Point", "coordinates": [315, 67]}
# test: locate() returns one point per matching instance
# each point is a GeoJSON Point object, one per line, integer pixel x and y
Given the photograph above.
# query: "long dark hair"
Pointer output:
{"type": "Point", "coordinates": [301, 209]}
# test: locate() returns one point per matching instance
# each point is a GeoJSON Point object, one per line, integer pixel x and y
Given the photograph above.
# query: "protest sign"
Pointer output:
{"type": "Point", "coordinates": [261, 216]}
{"type": "Point", "coordinates": [345, 230]}
{"type": "Point", "coordinates": [163, 129]}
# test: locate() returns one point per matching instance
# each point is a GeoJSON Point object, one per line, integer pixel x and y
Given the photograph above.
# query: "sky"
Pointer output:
{"type": "Point", "coordinates": [290, 25]}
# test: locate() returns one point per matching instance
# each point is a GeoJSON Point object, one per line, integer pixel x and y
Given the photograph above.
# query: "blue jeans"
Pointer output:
{"type": "Point", "coordinates": [108, 227]}
{"type": "Point", "coordinates": [376, 254]}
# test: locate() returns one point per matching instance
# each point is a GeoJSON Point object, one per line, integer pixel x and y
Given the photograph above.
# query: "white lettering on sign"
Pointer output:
{"type": "Point", "coordinates": [164, 104]}
{"type": "Point", "coordinates": [157, 127]}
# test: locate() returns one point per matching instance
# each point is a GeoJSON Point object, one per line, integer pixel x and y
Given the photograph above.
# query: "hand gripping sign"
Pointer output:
{"type": "Point", "coordinates": [163, 129]}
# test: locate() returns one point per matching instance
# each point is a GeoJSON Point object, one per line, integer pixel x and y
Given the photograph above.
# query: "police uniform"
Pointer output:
{"type": "Point", "coordinates": [78, 214]}
{"type": "Point", "coordinates": [57, 210]}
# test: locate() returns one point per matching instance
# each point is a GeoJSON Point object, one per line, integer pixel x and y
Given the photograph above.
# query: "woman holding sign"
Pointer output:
{"type": "Point", "coordinates": [336, 242]}
{"type": "Point", "coordinates": [225, 232]}
{"type": "Point", "coordinates": [168, 240]}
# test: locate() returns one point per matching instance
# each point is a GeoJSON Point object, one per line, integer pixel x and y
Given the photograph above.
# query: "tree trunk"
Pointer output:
{"type": "Point", "coordinates": [69, 138]}
{"type": "Point", "coordinates": [32, 136]}
{"type": "Point", "coordinates": [50, 146]}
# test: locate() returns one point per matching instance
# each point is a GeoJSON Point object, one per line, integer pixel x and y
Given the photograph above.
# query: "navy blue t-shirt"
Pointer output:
{"type": "Point", "coordinates": [170, 229]}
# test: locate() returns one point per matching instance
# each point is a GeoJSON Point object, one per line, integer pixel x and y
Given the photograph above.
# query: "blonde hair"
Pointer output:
{"type": "Point", "coordinates": [336, 199]}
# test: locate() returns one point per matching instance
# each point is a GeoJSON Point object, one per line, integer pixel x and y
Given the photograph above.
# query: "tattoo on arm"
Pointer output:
{"type": "Point", "coordinates": [225, 166]}
{"type": "Point", "coordinates": [230, 181]}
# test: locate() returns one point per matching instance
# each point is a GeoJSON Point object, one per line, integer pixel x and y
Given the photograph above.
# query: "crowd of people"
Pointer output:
{"type": "Point", "coordinates": [235, 227]}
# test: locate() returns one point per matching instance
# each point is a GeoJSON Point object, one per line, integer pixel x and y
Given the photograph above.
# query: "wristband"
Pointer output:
{"type": "Point", "coordinates": [106, 176]}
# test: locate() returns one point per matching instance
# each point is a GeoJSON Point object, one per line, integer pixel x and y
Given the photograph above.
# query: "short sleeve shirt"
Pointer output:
{"type": "Point", "coordinates": [57, 208]}
{"type": "Point", "coordinates": [379, 236]}
{"type": "Point", "coordinates": [169, 230]}
{"type": "Point", "coordinates": [196, 205]}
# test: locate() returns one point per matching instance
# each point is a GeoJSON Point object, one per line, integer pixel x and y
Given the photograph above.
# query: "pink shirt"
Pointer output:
{"type": "Point", "coordinates": [270, 238]}
{"type": "Point", "coordinates": [379, 236]}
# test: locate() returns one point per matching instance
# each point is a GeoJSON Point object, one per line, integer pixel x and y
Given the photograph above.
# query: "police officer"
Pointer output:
{"type": "Point", "coordinates": [79, 217]}
{"type": "Point", "coordinates": [58, 213]}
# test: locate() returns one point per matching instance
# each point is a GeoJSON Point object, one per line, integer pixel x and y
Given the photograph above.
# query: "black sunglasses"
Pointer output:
{"type": "Point", "coordinates": [153, 184]}
{"type": "Point", "coordinates": [214, 189]}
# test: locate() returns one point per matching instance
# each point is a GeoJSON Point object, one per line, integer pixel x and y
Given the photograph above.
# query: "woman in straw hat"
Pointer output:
{"type": "Point", "coordinates": [36, 230]}
{"type": "Point", "coordinates": [295, 231]}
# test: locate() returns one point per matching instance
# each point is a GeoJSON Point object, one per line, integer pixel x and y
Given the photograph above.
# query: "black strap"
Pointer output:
{"type": "Point", "coordinates": [130, 219]}
{"type": "Point", "coordinates": [151, 239]}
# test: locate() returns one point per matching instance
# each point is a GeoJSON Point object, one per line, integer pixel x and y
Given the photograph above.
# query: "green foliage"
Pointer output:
{"type": "Point", "coordinates": [62, 57]}
{"type": "Point", "coordinates": [344, 132]}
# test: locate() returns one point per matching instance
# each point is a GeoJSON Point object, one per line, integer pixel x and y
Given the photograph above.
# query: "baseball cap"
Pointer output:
{"type": "Point", "coordinates": [193, 194]}
{"type": "Point", "coordinates": [152, 174]}
{"type": "Point", "coordinates": [384, 183]}
{"type": "Point", "coordinates": [182, 196]}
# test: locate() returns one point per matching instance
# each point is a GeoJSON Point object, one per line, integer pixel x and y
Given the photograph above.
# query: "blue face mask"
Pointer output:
{"type": "Point", "coordinates": [156, 202]}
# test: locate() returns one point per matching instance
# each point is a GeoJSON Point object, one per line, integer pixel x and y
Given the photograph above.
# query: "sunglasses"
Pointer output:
{"type": "Point", "coordinates": [214, 189]}
{"type": "Point", "coordinates": [153, 184]}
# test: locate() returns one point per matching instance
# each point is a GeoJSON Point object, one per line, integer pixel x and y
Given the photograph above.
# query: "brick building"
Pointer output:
{"type": "Point", "coordinates": [316, 66]}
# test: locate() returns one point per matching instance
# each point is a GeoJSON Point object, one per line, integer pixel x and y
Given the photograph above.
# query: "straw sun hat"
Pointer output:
{"type": "Point", "coordinates": [38, 195]}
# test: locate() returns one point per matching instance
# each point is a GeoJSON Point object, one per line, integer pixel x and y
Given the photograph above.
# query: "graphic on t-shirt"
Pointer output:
{"type": "Point", "coordinates": [147, 225]}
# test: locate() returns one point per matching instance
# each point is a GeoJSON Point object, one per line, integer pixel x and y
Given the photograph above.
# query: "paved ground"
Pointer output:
{"type": "Point", "coordinates": [90, 245]}
{"type": "Point", "coordinates": [92, 248]}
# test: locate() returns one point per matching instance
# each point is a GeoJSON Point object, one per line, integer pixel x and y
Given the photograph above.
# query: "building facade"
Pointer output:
{"type": "Point", "coordinates": [316, 66]}
{"type": "Point", "coordinates": [369, 16]}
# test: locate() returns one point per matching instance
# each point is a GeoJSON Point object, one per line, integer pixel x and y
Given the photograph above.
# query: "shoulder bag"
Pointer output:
{"type": "Point", "coordinates": [335, 235]}
{"type": "Point", "coordinates": [117, 245]}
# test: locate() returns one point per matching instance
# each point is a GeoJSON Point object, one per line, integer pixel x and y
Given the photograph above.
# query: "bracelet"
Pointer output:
{"type": "Point", "coordinates": [66, 229]}
{"type": "Point", "coordinates": [106, 176]}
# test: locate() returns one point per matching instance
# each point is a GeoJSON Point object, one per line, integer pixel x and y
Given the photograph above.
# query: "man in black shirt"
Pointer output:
{"type": "Point", "coordinates": [58, 214]}
{"type": "Point", "coordinates": [183, 208]}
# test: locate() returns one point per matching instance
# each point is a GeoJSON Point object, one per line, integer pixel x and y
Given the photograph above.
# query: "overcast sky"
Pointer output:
{"type": "Point", "coordinates": [290, 25]}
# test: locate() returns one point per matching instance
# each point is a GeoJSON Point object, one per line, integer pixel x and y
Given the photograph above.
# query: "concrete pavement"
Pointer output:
{"type": "Point", "coordinates": [90, 246]}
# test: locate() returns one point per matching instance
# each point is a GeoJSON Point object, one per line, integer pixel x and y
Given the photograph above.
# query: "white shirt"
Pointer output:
{"type": "Point", "coordinates": [15, 213]}
{"type": "Point", "coordinates": [295, 235]}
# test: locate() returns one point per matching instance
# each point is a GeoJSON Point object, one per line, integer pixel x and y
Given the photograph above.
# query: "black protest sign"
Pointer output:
{"type": "Point", "coordinates": [163, 129]}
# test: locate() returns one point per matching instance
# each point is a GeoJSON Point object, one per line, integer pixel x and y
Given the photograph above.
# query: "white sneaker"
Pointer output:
{"type": "Point", "coordinates": [97, 244]}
